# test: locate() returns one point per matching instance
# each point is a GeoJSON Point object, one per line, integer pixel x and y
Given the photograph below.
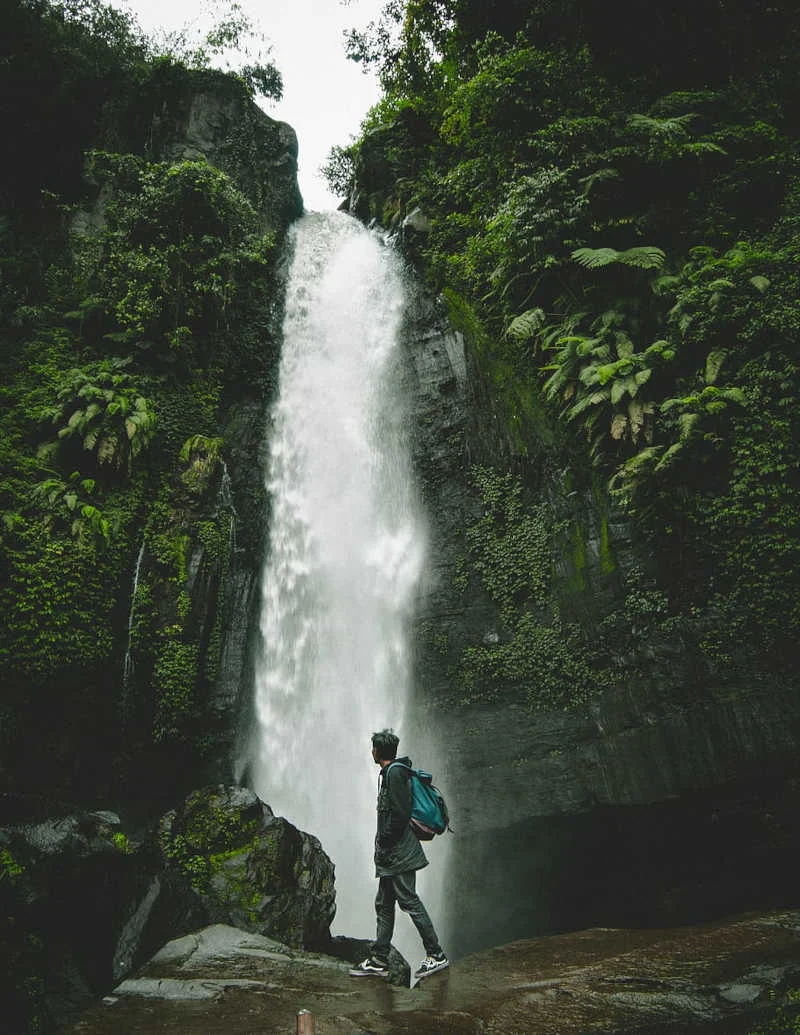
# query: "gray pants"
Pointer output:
{"type": "Point", "coordinates": [401, 888]}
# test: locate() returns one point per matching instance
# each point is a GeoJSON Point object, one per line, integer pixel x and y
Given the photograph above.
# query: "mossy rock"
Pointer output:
{"type": "Point", "coordinates": [249, 868]}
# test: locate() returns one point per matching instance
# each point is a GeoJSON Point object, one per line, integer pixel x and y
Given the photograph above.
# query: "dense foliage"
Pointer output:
{"type": "Point", "coordinates": [135, 300]}
{"type": "Point", "coordinates": [613, 193]}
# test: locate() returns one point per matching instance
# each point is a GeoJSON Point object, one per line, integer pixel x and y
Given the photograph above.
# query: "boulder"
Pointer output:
{"type": "Point", "coordinates": [82, 905]}
{"type": "Point", "coordinates": [65, 882]}
{"type": "Point", "coordinates": [250, 868]}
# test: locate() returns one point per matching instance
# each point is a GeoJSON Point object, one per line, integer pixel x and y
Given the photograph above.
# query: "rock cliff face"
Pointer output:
{"type": "Point", "coordinates": [217, 507]}
{"type": "Point", "coordinates": [651, 794]}
{"type": "Point", "coordinates": [209, 118]}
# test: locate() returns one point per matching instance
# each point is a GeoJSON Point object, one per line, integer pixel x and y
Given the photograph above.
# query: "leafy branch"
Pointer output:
{"type": "Point", "coordinates": [233, 33]}
{"type": "Point", "coordinates": [66, 502]}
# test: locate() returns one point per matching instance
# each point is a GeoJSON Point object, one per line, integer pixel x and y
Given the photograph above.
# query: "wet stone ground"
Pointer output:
{"type": "Point", "coordinates": [723, 977]}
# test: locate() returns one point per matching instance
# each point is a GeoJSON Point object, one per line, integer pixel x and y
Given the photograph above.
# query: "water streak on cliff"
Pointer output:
{"type": "Point", "coordinates": [346, 549]}
{"type": "Point", "coordinates": [127, 665]}
{"type": "Point", "coordinates": [226, 505]}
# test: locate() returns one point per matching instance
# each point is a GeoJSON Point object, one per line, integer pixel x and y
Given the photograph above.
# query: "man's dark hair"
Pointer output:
{"type": "Point", "coordinates": [385, 744]}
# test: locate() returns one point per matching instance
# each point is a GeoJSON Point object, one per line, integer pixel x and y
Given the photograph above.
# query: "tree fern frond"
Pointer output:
{"type": "Point", "coordinates": [554, 384]}
{"type": "Point", "coordinates": [687, 423]}
{"type": "Point", "coordinates": [714, 361]}
{"type": "Point", "coordinates": [669, 456]}
{"type": "Point", "coordinates": [669, 128]}
{"type": "Point", "coordinates": [638, 412]}
{"type": "Point", "coordinates": [107, 449]}
{"type": "Point", "coordinates": [610, 318]}
{"type": "Point", "coordinates": [705, 147]}
{"type": "Point", "coordinates": [524, 326]}
{"type": "Point", "coordinates": [633, 468]}
{"type": "Point", "coordinates": [590, 375]}
{"type": "Point", "coordinates": [47, 451]}
{"type": "Point", "coordinates": [643, 257]}
{"type": "Point", "coordinates": [661, 285]}
{"type": "Point", "coordinates": [620, 387]}
{"type": "Point", "coordinates": [586, 346]}
{"type": "Point", "coordinates": [588, 401]}
{"type": "Point", "coordinates": [598, 176]}
{"type": "Point", "coordinates": [11, 519]}
{"type": "Point", "coordinates": [594, 258]}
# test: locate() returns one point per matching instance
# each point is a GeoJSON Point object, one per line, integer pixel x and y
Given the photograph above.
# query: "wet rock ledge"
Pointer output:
{"type": "Point", "coordinates": [725, 977]}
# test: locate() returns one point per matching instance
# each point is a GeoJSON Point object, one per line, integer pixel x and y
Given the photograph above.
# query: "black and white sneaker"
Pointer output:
{"type": "Point", "coordinates": [370, 967]}
{"type": "Point", "coordinates": [432, 964]}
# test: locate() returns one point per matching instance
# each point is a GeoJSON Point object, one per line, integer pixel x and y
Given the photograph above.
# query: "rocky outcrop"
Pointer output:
{"type": "Point", "coordinates": [65, 882]}
{"type": "Point", "coordinates": [183, 114]}
{"type": "Point", "coordinates": [721, 978]}
{"type": "Point", "coordinates": [82, 904]}
{"type": "Point", "coordinates": [250, 868]}
{"type": "Point", "coordinates": [211, 117]}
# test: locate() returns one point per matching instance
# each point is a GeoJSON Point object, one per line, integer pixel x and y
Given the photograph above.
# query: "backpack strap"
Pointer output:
{"type": "Point", "coordinates": [384, 773]}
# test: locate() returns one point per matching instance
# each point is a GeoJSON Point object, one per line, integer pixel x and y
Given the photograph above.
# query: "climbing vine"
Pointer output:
{"type": "Point", "coordinates": [510, 545]}
{"type": "Point", "coordinates": [510, 551]}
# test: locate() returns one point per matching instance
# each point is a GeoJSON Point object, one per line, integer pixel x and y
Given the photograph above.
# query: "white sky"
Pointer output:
{"type": "Point", "coordinates": [325, 96]}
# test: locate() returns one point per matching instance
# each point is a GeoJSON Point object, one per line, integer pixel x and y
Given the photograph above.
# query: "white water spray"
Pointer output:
{"type": "Point", "coordinates": [346, 551]}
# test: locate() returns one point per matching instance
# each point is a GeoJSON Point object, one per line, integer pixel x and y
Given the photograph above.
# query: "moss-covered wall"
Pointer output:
{"type": "Point", "coordinates": [564, 698]}
{"type": "Point", "coordinates": [140, 312]}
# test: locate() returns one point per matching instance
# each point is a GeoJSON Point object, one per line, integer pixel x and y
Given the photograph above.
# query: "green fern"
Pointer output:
{"type": "Point", "coordinates": [714, 362]}
{"type": "Point", "coordinates": [102, 407]}
{"type": "Point", "coordinates": [526, 325]}
{"type": "Point", "coordinates": [64, 503]}
{"type": "Point", "coordinates": [644, 257]}
{"type": "Point", "coordinates": [633, 470]}
{"type": "Point", "coordinates": [599, 176]}
{"type": "Point", "coordinates": [673, 128]}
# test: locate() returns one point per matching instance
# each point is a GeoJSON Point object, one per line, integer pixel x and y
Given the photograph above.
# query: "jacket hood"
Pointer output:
{"type": "Point", "coordinates": [404, 759]}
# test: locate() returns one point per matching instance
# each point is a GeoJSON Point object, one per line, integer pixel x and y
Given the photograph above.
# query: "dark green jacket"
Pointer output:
{"type": "Point", "coordinates": [396, 849]}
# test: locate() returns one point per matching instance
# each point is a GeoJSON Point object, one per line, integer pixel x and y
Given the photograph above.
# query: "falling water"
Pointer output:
{"type": "Point", "coordinates": [127, 665]}
{"type": "Point", "coordinates": [346, 550]}
{"type": "Point", "coordinates": [225, 503]}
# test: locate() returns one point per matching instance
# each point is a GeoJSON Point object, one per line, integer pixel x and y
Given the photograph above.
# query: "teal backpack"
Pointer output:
{"type": "Point", "coordinates": [429, 814]}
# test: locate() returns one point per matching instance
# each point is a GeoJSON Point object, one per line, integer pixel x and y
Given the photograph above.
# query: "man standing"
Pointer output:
{"type": "Point", "coordinates": [398, 856]}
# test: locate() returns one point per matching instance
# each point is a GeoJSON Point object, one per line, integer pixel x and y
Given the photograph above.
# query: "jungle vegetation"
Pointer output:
{"type": "Point", "coordinates": [613, 197]}
{"type": "Point", "coordinates": [135, 295]}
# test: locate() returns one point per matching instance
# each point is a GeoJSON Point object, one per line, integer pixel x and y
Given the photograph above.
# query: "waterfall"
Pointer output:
{"type": "Point", "coordinates": [346, 551]}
